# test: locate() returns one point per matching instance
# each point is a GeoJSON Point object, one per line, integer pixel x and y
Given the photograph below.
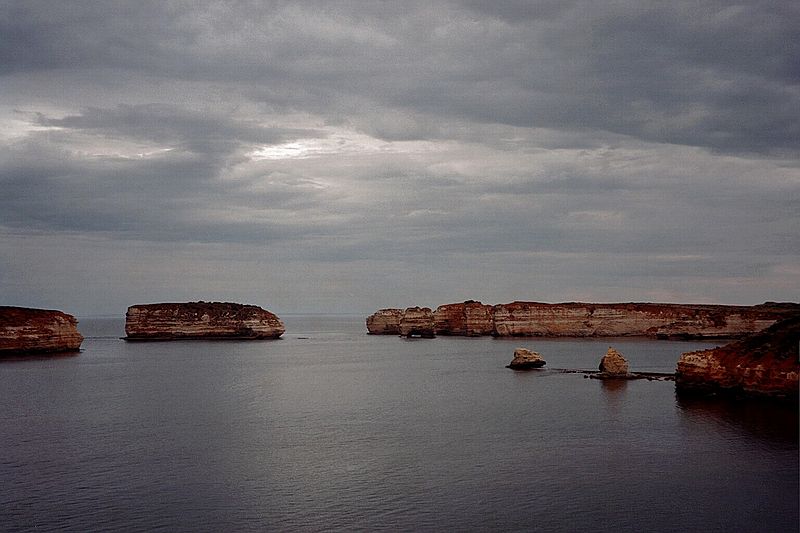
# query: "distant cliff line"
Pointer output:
{"type": "Point", "coordinates": [577, 319]}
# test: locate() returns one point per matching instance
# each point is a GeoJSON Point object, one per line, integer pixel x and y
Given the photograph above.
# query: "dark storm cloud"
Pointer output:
{"type": "Point", "coordinates": [712, 74]}
{"type": "Point", "coordinates": [383, 143]}
{"type": "Point", "coordinates": [49, 184]}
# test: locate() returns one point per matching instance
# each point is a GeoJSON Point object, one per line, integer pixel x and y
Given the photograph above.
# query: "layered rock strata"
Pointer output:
{"type": "Point", "coordinates": [534, 319]}
{"type": "Point", "coordinates": [31, 331]}
{"type": "Point", "coordinates": [525, 359]}
{"type": "Point", "coordinates": [630, 319]}
{"type": "Point", "coordinates": [385, 322]}
{"type": "Point", "coordinates": [469, 319]}
{"type": "Point", "coordinates": [417, 322]}
{"type": "Point", "coordinates": [765, 363]}
{"type": "Point", "coordinates": [200, 320]}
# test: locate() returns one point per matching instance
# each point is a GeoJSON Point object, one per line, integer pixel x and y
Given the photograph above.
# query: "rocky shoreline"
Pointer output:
{"type": "Point", "coordinates": [766, 363]}
{"type": "Point", "coordinates": [613, 366]}
{"type": "Point", "coordinates": [575, 319]}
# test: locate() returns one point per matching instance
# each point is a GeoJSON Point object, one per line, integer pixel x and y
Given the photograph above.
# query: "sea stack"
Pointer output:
{"type": "Point", "coordinates": [613, 363]}
{"type": "Point", "coordinates": [200, 320]}
{"type": "Point", "coordinates": [766, 363]}
{"type": "Point", "coordinates": [385, 322]}
{"type": "Point", "coordinates": [31, 331]}
{"type": "Point", "coordinates": [525, 359]}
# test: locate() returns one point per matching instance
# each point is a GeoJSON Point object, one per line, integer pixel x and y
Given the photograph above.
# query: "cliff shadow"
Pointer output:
{"type": "Point", "coordinates": [765, 418]}
{"type": "Point", "coordinates": [37, 356]}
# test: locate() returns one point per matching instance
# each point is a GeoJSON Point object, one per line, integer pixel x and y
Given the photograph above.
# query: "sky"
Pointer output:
{"type": "Point", "coordinates": [340, 157]}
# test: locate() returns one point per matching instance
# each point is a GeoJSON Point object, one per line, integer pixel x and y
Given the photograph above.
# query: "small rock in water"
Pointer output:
{"type": "Point", "coordinates": [613, 363]}
{"type": "Point", "coordinates": [525, 359]}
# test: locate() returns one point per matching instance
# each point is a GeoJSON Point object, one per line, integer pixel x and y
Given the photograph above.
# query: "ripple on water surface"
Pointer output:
{"type": "Point", "coordinates": [332, 429]}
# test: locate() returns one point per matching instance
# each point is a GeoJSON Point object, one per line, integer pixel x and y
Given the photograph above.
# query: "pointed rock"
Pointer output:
{"type": "Point", "coordinates": [613, 363]}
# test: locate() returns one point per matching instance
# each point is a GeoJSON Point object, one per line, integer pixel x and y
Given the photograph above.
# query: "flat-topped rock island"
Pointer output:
{"type": "Point", "coordinates": [576, 319]}
{"type": "Point", "coordinates": [200, 320]}
{"type": "Point", "coordinates": [36, 331]}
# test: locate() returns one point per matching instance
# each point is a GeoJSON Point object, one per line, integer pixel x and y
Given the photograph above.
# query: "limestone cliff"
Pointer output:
{"type": "Point", "coordinates": [765, 363]}
{"type": "Point", "coordinates": [417, 322]}
{"type": "Point", "coordinates": [385, 322]}
{"type": "Point", "coordinates": [24, 330]}
{"type": "Point", "coordinates": [530, 319]}
{"type": "Point", "coordinates": [200, 320]}
{"type": "Point", "coordinates": [630, 319]}
{"type": "Point", "coordinates": [470, 319]}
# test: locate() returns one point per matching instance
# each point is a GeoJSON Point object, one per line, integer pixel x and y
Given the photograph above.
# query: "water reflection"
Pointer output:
{"type": "Point", "coordinates": [17, 357]}
{"type": "Point", "coordinates": [614, 387]}
{"type": "Point", "coordinates": [768, 419]}
{"type": "Point", "coordinates": [615, 392]}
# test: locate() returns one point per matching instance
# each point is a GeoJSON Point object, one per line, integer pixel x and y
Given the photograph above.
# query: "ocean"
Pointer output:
{"type": "Point", "coordinates": [331, 429]}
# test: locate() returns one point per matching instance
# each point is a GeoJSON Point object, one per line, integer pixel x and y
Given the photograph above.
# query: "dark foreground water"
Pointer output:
{"type": "Point", "coordinates": [331, 429]}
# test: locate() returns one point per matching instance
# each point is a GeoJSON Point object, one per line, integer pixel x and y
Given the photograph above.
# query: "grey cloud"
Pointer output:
{"type": "Point", "coordinates": [573, 147]}
{"type": "Point", "coordinates": [201, 131]}
{"type": "Point", "coordinates": [712, 75]}
{"type": "Point", "coordinates": [162, 196]}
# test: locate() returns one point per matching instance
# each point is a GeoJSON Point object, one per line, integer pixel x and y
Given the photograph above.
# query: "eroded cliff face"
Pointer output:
{"type": "Point", "coordinates": [531, 319]}
{"type": "Point", "coordinates": [26, 331]}
{"type": "Point", "coordinates": [629, 319]}
{"type": "Point", "coordinates": [201, 320]}
{"type": "Point", "coordinates": [417, 322]}
{"type": "Point", "coordinates": [385, 322]}
{"type": "Point", "coordinates": [470, 319]}
{"type": "Point", "coordinates": [766, 363]}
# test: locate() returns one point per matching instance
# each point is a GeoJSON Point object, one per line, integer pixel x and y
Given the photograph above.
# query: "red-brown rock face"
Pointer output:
{"type": "Point", "coordinates": [200, 320]}
{"type": "Point", "coordinates": [471, 319]}
{"type": "Point", "coordinates": [24, 330]}
{"type": "Point", "coordinates": [417, 322]}
{"type": "Point", "coordinates": [533, 319]}
{"type": "Point", "coordinates": [765, 363]}
{"type": "Point", "coordinates": [633, 319]}
{"type": "Point", "coordinates": [385, 322]}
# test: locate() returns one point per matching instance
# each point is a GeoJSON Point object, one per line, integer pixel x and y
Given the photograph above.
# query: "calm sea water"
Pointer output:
{"type": "Point", "coordinates": [331, 429]}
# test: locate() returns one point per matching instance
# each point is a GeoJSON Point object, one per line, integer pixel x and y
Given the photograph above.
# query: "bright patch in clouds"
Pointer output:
{"type": "Point", "coordinates": [339, 141]}
{"type": "Point", "coordinates": [13, 128]}
{"type": "Point", "coordinates": [293, 150]}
